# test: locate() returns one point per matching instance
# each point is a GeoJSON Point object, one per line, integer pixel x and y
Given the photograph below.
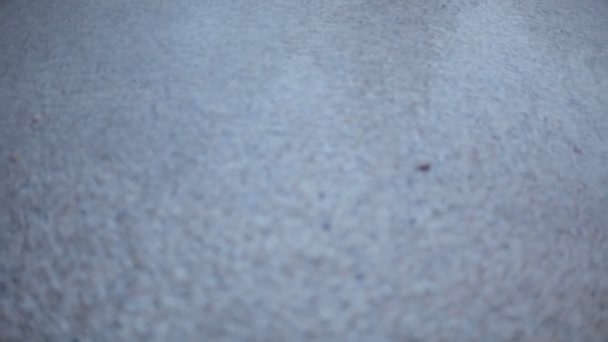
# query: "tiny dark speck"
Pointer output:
{"type": "Point", "coordinates": [577, 150]}
{"type": "Point", "coordinates": [326, 226]}
{"type": "Point", "coordinates": [426, 167]}
{"type": "Point", "coordinates": [360, 276]}
{"type": "Point", "coordinates": [13, 158]}
{"type": "Point", "coordinates": [35, 120]}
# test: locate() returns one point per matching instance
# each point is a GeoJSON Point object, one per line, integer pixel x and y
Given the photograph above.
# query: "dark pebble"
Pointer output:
{"type": "Point", "coordinates": [426, 167]}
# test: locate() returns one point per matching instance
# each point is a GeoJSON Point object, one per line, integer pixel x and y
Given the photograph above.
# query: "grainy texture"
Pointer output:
{"type": "Point", "coordinates": [251, 170]}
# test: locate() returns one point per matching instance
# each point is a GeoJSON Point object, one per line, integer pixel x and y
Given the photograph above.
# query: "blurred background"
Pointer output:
{"type": "Point", "coordinates": [335, 170]}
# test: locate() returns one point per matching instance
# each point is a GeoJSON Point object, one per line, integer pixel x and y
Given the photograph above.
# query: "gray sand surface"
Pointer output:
{"type": "Point", "coordinates": [255, 170]}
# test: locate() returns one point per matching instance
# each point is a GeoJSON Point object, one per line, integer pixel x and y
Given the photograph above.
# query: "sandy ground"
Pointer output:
{"type": "Point", "coordinates": [333, 170]}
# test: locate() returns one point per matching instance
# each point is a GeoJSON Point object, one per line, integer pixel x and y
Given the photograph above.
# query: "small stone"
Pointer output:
{"type": "Point", "coordinates": [36, 119]}
{"type": "Point", "coordinates": [13, 158]}
{"type": "Point", "coordinates": [425, 167]}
